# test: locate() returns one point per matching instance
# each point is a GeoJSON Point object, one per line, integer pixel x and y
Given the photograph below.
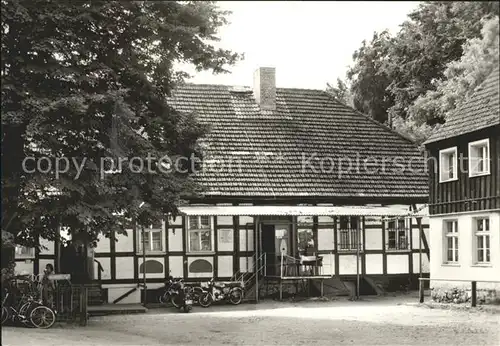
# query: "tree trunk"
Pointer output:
{"type": "Point", "coordinates": [12, 172]}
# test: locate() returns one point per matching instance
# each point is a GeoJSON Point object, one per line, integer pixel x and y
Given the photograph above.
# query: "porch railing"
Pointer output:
{"type": "Point", "coordinates": [258, 267]}
{"type": "Point", "coordinates": [299, 269]}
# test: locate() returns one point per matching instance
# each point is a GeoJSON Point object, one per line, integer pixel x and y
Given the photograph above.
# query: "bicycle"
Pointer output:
{"type": "Point", "coordinates": [31, 313]}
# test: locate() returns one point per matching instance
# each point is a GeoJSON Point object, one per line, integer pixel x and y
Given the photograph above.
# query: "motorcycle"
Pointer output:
{"type": "Point", "coordinates": [215, 293]}
{"type": "Point", "coordinates": [183, 299]}
{"type": "Point", "coordinates": [170, 292]}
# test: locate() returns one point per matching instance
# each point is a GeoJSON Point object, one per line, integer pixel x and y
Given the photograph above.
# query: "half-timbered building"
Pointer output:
{"type": "Point", "coordinates": [464, 207]}
{"type": "Point", "coordinates": [295, 185]}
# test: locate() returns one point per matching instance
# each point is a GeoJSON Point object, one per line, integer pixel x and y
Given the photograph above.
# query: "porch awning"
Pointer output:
{"type": "Point", "coordinates": [269, 210]}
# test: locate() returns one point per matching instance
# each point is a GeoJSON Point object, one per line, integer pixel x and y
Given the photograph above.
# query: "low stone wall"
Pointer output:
{"type": "Point", "coordinates": [462, 295]}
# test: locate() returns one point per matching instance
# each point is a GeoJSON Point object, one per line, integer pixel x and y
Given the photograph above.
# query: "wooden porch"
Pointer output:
{"type": "Point", "coordinates": [311, 243]}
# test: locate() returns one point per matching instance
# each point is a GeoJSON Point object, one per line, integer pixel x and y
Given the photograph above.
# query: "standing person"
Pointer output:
{"type": "Point", "coordinates": [48, 286]}
{"type": "Point", "coordinates": [9, 284]}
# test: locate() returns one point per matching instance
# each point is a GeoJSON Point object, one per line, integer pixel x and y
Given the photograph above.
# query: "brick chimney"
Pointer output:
{"type": "Point", "coordinates": [264, 87]}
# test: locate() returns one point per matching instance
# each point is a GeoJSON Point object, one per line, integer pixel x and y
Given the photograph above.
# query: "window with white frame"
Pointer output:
{"type": "Point", "coordinates": [451, 241]}
{"type": "Point", "coordinates": [448, 164]}
{"type": "Point", "coordinates": [24, 251]}
{"type": "Point", "coordinates": [482, 234]}
{"type": "Point", "coordinates": [479, 157]}
{"type": "Point", "coordinates": [153, 239]}
{"type": "Point", "coordinates": [349, 228]}
{"type": "Point", "coordinates": [200, 234]}
{"type": "Point", "coordinates": [398, 234]}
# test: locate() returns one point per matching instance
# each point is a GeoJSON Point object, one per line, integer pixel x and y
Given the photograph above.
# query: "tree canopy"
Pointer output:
{"type": "Point", "coordinates": [394, 77]}
{"type": "Point", "coordinates": [83, 81]}
{"type": "Point", "coordinates": [461, 78]}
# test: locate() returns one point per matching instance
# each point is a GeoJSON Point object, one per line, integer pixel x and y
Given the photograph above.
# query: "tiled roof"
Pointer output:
{"type": "Point", "coordinates": [482, 110]}
{"type": "Point", "coordinates": [254, 153]}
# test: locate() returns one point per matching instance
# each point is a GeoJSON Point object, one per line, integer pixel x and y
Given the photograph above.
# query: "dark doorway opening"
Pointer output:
{"type": "Point", "coordinates": [268, 247]}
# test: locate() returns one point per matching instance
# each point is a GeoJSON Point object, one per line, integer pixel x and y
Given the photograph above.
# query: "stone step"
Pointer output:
{"type": "Point", "coordinates": [113, 309]}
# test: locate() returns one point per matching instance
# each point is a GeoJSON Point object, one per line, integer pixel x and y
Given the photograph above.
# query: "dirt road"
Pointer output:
{"type": "Point", "coordinates": [272, 323]}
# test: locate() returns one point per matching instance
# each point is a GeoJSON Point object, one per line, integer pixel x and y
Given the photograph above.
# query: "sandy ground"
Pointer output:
{"type": "Point", "coordinates": [381, 321]}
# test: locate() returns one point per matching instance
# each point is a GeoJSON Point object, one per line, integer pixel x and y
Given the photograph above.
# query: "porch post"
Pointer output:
{"type": "Point", "coordinates": [294, 237]}
{"type": "Point", "coordinates": [357, 262]}
{"type": "Point", "coordinates": [144, 263]}
{"type": "Point", "coordinates": [419, 223]}
{"type": "Point", "coordinates": [281, 264]}
{"type": "Point", "coordinates": [258, 229]}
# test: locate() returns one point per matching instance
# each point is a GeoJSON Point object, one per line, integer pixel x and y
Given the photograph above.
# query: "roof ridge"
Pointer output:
{"type": "Point", "coordinates": [322, 91]}
{"type": "Point", "coordinates": [242, 86]}
{"type": "Point", "coordinates": [207, 84]}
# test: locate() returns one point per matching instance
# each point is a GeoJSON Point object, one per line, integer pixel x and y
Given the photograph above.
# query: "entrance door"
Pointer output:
{"type": "Point", "coordinates": [268, 247]}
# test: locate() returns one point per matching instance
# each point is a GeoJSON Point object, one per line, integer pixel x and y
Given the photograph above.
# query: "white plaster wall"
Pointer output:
{"type": "Point", "coordinates": [415, 237]}
{"type": "Point", "coordinates": [177, 221]}
{"type": "Point", "coordinates": [326, 239]}
{"type": "Point", "coordinates": [225, 220]}
{"type": "Point", "coordinates": [243, 220]}
{"type": "Point", "coordinates": [372, 221]}
{"type": "Point", "coordinates": [325, 220]}
{"type": "Point", "coordinates": [176, 266]}
{"type": "Point", "coordinates": [373, 239]}
{"type": "Point", "coordinates": [106, 265]}
{"type": "Point", "coordinates": [103, 245]}
{"type": "Point", "coordinates": [200, 275]}
{"type": "Point", "coordinates": [328, 264]}
{"type": "Point", "coordinates": [466, 269]}
{"type": "Point", "coordinates": [347, 264]}
{"type": "Point", "coordinates": [425, 263]}
{"type": "Point", "coordinates": [374, 264]}
{"type": "Point", "coordinates": [175, 239]}
{"type": "Point", "coordinates": [225, 246]}
{"type": "Point", "coordinates": [243, 241]}
{"type": "Point", "coordinates": [124, 267]}
{"type": "Point", "coordinates": [243, 265]}
{"type": "Point", "coordinates": [49, 245]}
{"type": "Point", "coordinates": [125, 243]}
{"type": "Point", "coordinates": [24, 267]}
{"type": "Point", "coordinates": [152, 275]}
{"type": "Point", "coordinates": [225, 266]}
{"type": "Point", "coordinates": [116, 291]}
{"type": "Point", "coordinates": [398, 264]}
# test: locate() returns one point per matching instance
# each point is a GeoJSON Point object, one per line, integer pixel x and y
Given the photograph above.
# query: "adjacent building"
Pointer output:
{"type": "Point", "coordinates": [464, 193]}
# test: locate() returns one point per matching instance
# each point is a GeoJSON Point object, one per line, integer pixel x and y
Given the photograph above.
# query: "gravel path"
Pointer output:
{"type": "Point", "coordinates": [378, 322]}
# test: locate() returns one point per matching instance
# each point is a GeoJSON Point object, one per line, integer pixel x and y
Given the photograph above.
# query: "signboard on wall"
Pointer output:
{"type": "Point", "coordinates": [225, 236]}
{"type": "Point", "coordinates": [280, 233]}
